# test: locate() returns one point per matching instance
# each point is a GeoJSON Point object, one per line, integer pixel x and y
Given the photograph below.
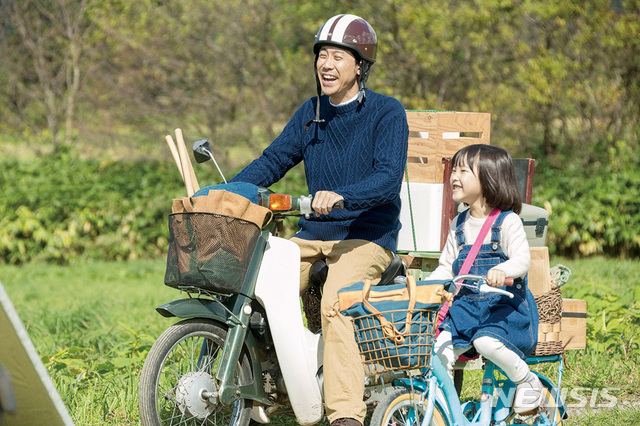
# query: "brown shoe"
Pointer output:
{"type": "Point", "coordinates": [346, 421]}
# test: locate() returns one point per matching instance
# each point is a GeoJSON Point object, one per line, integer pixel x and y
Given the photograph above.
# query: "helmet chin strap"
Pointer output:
{"type": "Point", "coordinates": [365, 67]}
{"type": "Point", "coordinates": [319, 91]}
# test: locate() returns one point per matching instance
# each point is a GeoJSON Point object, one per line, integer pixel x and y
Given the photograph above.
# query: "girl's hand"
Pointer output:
{"type": "Point", "coordinates": [496, 277]}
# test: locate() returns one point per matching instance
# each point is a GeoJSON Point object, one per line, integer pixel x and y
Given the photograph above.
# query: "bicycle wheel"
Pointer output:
{"type": "Point", "coordinates": [180, 367]}
{"type": "Point", "coordinates": [543, 417]}
{"type": "Point", "coordinates": [403, 407]}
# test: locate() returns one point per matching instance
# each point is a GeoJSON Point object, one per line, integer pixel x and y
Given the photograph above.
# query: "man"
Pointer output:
{"type": "Point", "coordinates": [353, 142]}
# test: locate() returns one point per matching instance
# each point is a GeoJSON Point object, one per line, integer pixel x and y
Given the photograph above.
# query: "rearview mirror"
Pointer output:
{"type": "Point", "coordinates": [202, 150]}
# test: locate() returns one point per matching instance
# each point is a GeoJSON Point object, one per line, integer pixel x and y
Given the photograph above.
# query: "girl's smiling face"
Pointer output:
{"type": "Point", "coordinates": [465, 184]}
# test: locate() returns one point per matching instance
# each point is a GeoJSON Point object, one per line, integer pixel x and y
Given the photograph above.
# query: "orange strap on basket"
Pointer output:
{"type": "Point", "coordinates": [389, 330]}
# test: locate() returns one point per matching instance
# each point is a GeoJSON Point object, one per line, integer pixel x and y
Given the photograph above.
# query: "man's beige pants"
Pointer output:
{"type": "Point", "coordinates": [349, 261]}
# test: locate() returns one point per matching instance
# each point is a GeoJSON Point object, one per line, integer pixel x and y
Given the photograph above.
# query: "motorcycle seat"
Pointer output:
{"type": "Point", "coordinates": [319, 269]}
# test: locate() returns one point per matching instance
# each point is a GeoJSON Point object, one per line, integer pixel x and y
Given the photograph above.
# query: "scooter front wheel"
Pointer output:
{"type": "Point", "coordinates": [402, 408]}
{"type": "Point", "coordinates": [178, 381]}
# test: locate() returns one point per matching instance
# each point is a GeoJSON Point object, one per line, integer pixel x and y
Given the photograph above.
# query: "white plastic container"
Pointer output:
{"type": "Point", "coordinates": [421, 213]}
{"type": "Point", "coordinates": [421, 217]}
{"type": "Point", "coordinates": [535, 221]}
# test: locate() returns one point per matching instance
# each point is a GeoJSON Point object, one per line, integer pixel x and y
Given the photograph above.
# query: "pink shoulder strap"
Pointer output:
{"type": "Point", "coordinates": [488, 223]}
{"type": "Point", "coordinates": [468, 262]}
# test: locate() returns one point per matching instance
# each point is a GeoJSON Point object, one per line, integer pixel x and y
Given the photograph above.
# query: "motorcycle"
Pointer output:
{"type": "Point", "coordinates": [246, 355]}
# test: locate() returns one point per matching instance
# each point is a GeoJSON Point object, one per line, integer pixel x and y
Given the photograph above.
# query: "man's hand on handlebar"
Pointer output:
{"type": "Point", "coordinates": [325, 201]}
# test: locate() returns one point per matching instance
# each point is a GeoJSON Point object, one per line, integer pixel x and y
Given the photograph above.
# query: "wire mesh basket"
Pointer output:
{"type": "Point", "coordinates": [209, 251]}
{"type": "Point", "coordinates": [381, 354]}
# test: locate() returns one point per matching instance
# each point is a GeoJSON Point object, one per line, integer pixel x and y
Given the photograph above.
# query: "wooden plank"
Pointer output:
{"type": "Point", "coordinates": [448, 205]}
{"type": "Point", "coordinates": [539, 280]}
{"type": "Point", "coordinates": [448, 147]}
{"type": "Point", "coordinates": [573, 329]}
{"type": "Point", "coordinates": [423, 173]}
{"type": "Point", "coordinates": [436, 136]}
{"type": "Point", "coordinates": [421, 121]}
{"type": "Point", "coordinates": [530, 172]}
{"type": "Point", "coordinates": [422, 147]}
{"type": "Point", "coordinates": [465, 123]}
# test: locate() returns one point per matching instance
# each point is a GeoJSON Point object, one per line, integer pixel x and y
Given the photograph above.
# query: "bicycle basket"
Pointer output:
{"type": "Point", "coordinates": [382, 354]}
{"type": "Point", "coordinates": [209, 251]}
{"type": "Point", "coordinates": [394, 325]}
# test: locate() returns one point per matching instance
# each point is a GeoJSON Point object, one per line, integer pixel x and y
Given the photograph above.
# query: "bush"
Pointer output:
{"type": "Point", "coordinates": [58, 208]}
{"type": "Point", "coordinates": [592, 210]}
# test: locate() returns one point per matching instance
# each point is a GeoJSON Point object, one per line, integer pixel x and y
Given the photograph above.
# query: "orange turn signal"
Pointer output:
{"type": "Point", "coordinates": [279, 202]}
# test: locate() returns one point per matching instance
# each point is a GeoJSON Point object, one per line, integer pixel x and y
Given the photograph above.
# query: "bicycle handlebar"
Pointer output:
{"type": "Point", "coordinates": [481, 285]}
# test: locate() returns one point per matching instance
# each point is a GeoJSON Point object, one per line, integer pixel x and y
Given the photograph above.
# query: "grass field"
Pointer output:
{"type": "Point", "coordinates": [93, 323]}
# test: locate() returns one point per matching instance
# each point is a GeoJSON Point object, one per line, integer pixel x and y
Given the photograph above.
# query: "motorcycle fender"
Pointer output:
{"type": "Point", "coordinates": [199, 308]}
{"type": "Point", "coordinates": [194, 308]}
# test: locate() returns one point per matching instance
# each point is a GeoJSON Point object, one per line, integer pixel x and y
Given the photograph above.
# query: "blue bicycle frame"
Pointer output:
{"type": "Point", "coordinates": [485, 411]}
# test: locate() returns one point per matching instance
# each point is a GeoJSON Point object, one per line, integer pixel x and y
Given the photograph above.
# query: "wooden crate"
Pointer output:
{"type": "Point", "coordinates": [435, 136]}
{"type": "Point", "coordinates": [573, 329]}
{"type": "Point", "coordinates": [539, 278]}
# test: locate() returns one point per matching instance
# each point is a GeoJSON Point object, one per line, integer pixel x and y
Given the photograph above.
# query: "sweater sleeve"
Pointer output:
{"type": "Point", "coordinates": [278, 158]}
{"type": "Point", "coordinates": [391, 137]}
{"type": "Point", "coordinates": [516, 247]}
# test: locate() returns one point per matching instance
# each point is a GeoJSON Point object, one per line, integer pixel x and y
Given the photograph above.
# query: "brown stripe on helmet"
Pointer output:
{"type": "Point", "coordinates": [333, 27]}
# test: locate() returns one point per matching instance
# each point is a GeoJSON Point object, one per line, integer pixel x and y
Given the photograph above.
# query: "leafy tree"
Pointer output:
{"type": "Point", "coordinates": [43, 43]}
{"type": "Point", "coordinates": [226, 69]}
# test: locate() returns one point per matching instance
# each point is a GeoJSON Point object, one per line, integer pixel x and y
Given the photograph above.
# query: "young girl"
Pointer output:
{"type": "Point", "coordinates": [500, 329]}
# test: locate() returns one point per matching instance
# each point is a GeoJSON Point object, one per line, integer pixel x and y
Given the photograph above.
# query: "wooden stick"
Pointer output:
{"type": "Point", "coordinates": [174, 154]}
{"type": "Point", "coordinates": [186, 162]}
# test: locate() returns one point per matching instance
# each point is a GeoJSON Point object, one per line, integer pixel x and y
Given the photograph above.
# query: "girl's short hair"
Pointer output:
{"type": "Point", "coordinates": [496, 174]}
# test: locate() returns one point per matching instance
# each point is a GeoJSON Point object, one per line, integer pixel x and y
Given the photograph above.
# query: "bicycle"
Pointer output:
{"type": "Point", "coordinates": [429, 397]}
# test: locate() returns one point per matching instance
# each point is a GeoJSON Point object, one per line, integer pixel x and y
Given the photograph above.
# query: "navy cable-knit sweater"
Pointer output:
{"type": "Point", "coordinates": [359, 152]}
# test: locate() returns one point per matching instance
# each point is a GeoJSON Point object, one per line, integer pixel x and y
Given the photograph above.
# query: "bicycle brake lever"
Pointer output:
{"type": "Point", "coordinates": [486, 288]}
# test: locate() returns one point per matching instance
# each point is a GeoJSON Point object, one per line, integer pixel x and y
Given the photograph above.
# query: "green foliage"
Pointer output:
{"type": "Point", "coordinates": [613, 309]}
{"type": "Point", "coordinates": [595, 211]}
{"type": "Point", "coordinates": [558, 77]}
{"type": "Point", "coordinates": [59, 208]}
{"type": "Point", "coordinates": [613, 325]}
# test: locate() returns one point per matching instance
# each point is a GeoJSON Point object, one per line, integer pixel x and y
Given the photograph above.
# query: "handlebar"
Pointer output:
{"type": "Point", "coordinates": [287, 204]}
{"type": "Point", "coordinates": [481, 285]}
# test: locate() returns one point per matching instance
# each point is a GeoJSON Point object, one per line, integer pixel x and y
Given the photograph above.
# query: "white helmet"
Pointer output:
{"type": "Point", "coordinates": [356, 35]}
{"type": "Point", "coordinates": [351, 32]}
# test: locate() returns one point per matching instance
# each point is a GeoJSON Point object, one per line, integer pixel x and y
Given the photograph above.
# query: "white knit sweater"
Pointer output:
{"type": "Point", "coordinates": [512, 239]}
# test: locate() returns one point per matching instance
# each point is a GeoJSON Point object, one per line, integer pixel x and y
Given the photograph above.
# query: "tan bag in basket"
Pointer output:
{"type": "Point", "coordinates": [225, 203]}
